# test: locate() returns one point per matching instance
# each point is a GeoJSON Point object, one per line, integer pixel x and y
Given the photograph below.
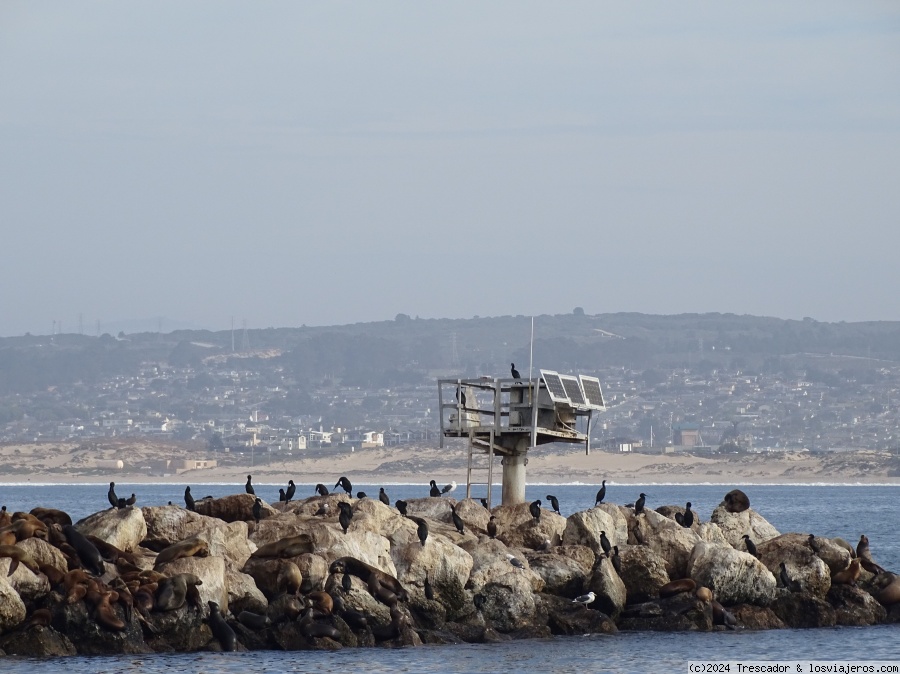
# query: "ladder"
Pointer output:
{"type": "Point", "coordinates": [475, 447]}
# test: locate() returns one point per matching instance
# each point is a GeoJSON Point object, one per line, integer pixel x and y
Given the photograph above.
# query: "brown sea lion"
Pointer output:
{"type": "Point", "coordinates": [677, 587]}
{"type": "Point", "coordinates": [173, 592]}
{"type": "Point", "coordinates": [364, 571]}
{"type": "Point", "coordinates": [18, 556]}
{"type": "Point", "coordinates": [54, 575]}
{"type": "Point", "coordinates": [189, 547]}
{"type": "Point", "coordinates": [290, 577]}
{"type": "Point", "coordinates": [5, 517]}
{"type": "Point", "coordinates": [290, 546]}
{"type": "Point", "coordinates": [254, 621]}
{"type": "Point", "coordinates": [40, 618]}
{"type": "Point", "coordinates": [23, 528]}
{"type": "Point", "coordinates": [736, 501]}
{"type": "Point", "coordinates": [703, 593]}
{"type": "Point", "coordinates": [110, 552]}
{"type": "Point", "coordinates": [105, 612]}
{"type": "Point", "coordinates": [321, 602]}
{"type": "Point", "coordinates": [889, 594]}
{"type": "Point", "coordinates": [848, 576]}
{"type": "Point", "coordinates": [51, 516]}
{"type": "Point", "coordinates": [721, 616]}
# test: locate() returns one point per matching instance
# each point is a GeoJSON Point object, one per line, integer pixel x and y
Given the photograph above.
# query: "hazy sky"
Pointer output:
{"type": "Point", "coordinates": [291, 163]}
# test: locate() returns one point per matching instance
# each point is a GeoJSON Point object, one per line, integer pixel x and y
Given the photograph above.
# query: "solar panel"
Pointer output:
{"type": "Point", "coordinates": [573, 389]}
{"type": "Point", "coordinates": [555, 386]}
{"type": "Point", "coordinates": [592, 392]}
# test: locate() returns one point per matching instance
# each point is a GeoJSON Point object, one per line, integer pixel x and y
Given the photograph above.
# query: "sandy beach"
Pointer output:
{"type": "Point", "coordinates": [89, 462]}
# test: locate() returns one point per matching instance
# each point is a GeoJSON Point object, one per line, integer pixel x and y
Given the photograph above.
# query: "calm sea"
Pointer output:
{"type": "Point", "coordinates": [826, 510]}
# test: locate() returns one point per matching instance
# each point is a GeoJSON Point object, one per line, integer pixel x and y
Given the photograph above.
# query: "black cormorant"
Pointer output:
{"type": "Point", "coordinates": [321, 489]}
{"type": "Point", "coordinates": [492, 527]}
{"type": "Point", "coordinates": [553, 502]}
{"type": "Point", "coordinates": [535, 509]}
{"type": "Point", "coordinates": [457, 520]}
{"type": "Point", "coordinates": [188, 499]}
{"type": "Point", "coordinates": [111, 495]}
{"type": "Point", "coordinates": [344, 484]}
{"type": "Point", "coordinates": [249, 487]}
{"type": "Point", "coordinates": [401, 506]}
{"type": "Point", "coordinates": [639, 504]}
{"type": "Point", "coordinates": [289, 494]}
{"type": "Point", "coordinates": [383, 497]}
{"type": "Point", "coordinates": [687, 519]}
{"type": "Point", "coordinates": [514, 371]}
{"type": "Point", "coordinates": [434, 489]}
{"type": "Point", "coordinates": [257, 509]}
{"type": "Point", "coordinates": [601, 494]}
{"type": "Point", "coordinates": [604, 543]}
{"type": "Point", "coordinates": [751, 546]}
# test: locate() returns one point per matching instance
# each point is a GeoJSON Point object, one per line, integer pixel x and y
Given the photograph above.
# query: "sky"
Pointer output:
{"type": "Point", "coordinates": [277, 164]}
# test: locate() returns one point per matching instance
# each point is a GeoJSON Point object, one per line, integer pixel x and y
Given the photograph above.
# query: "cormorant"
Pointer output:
{"type": "Point", "coordinates": [553, 502]}
{"type": "Point", "coordinates": [616, 561]}
{"type": "Point", "coordinates": [289, 494]}
{"type": "Point", "coordinates": [131, 500]}
{"type": "Point", "coordinates": [429, 591]}
{"type": "Point", "coordinates": [111, 495]}
{"type": "Point", "coordinates": [457, 520]}
{"type": "Point", "coordinates": [639, 504]}
{"type": "Point", "coordinates": [345, 516]}
{"type": "Point", "coordinates": [535, 509]}
{"type": "Point", "coordinates": [484, 504]}
{"type": "Point", "coordinates": [321, 489]}
{"type": "Point", "coordinates": [434, 489]}
{"type": "Point", "coordinates": [344, 484]}
{"type": "Point", "coordinates": [604, 543]}
{"type": "Point", "coordinates": [601, 494]}
{"type": "Point", "coordinates": [585, 599]}
{"type": "Point", "coordinates": [281, 496]}
{"type": "Point", "coordinates": [401, 506]}
{"type": "Point", "coordinates": [383, 497]}
{"type": "Point", "coordinates": [492, 527]}
{"type": "Point", "coordinates": [514, 371]}
{"type": "Point", "coordinates": [188, 499]}
{"type": "Point", "coordinates": [785, 579]}
{"type": "Point", "coordinates": [751, 546]}
{"type": "Point", "coordinates": [421, 529]}
{"type": "Point", "coordinates": [257, 509]}
{"type": "Point", "coordinates": [249, 487]}
{"type": "Point", "coordinates": [687, 519]}
{"type": "Point", "coordinates": [360, 494]}
{"type": "Point", "coordinates": [461, 396]}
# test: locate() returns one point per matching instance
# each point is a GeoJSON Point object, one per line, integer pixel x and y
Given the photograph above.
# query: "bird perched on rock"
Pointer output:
{"type": "Point", "coordinates": [554, 502]}
{"type": "Point", "coordinates": [344, 484]}
{"type": "Point", "coordinates": [447, 488]}
{"type": "Point", "coordinates": [131, 500]}
{"type": "Point", "coordinates": [345, 516]}
{"type": "Point", "coordinates": [604, 543]}
{"type": "Point", "coordinates": [434, 489]}
{"type": "Point", "coordinates": [323, 510]}
{"type": "Point", "coordinates": [457, 520]}
{"type": "Point", "coordinates": [361, 494]}
{"type": "Point", "coordinates": [421, 528]}
{"type": "Point", "coordinates": [484, 504]}
{"type": "Point", "coordinates": [401, 506]}
{"type": "Point", "coordinates": [535, 509]}
{"type": "Point", "coordinates": [492, 527]}
{"type": "Point", "coordinates": [687, 519]}
{"type": "Point", "coordinates": [249, 487]}
{"type": "Point", "coordinates": [257, 509]}
{"type": "Point", "coordinates": [111, 495]}
{"type": "Point", "coordinates": [515, 561]}
{"type": "Point", "coordinates": [514, 372]}
{"type": "Point", "coordinates": [814, 544]}
{"type": "Point", "coordinates": [321, 489]}
{"type": "Point", "coordinates": [616, 561]}
{"type": "Point", "coordinates": [383, 497]}
{"type": "Point", "coordinates": [289, 494]}
{"type": "Point", "coordinates": [639, 504]}
{"type": "Point", "coordinates": [429, 591]}
{"type": "Point", "coordinates": [786, 581]}
{"type": "Point", "coordinates": [188, 499]}
{"type": "Point", "coordinates": [751, 546]}
{"type": "Point", "coordinates": [585, 599]}
{"type": "Point", "coordinates": [601, 494]}
{"type": "Point", "coordinates": [282, 497]}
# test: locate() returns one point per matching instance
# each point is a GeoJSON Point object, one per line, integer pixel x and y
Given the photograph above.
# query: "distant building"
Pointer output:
{"type": "Point", "coordinates": [686, 435]}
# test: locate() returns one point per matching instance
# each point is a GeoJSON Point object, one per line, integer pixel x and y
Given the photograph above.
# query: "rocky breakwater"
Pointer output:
{"type": "Point", "coordinates": [332, 571]}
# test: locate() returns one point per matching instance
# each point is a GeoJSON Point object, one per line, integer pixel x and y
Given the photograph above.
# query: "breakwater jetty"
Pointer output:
{"type": "Point", "coordinates": [332, 571]}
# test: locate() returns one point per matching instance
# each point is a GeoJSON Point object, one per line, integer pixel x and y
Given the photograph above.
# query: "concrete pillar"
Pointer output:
{"type": "Point", "coordinates": [514, 479]}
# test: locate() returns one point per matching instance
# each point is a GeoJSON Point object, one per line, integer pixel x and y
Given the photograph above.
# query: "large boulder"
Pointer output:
{"type": "Point", "coordinates": [518, 529]}
{"type": "Point", "coordinates": [734, 525]}
{"type": "Point", "coordinates": [475, 516]}
{"type": "Point", "coordinates": [643, 572]}
{"type": "Point", "coordinates": [490, 562]}
{"type": "Point", "coordinates": [30, 586]}
{"type": "Point", "coordinates": [37, 642]}
{"type": "Point", "coordinates": [735, 577]}
{"type": "Point", "coordinates": [229, 541]}
{"type": "Point", "coordinates": [801, 563]}
{"type": "Point", "coordinates": [12, 609]}
{"type": "Point", "coordinates": [124, 528]}
{"type": "Point", "coordinates": [432, 508]}
{"type": "Point", "coordinates": [169, 524]}
{"type": "Point", "coordinates": [43, 552]}
{"type": "Point", "coordinates": [508, 600]}
{"type": "Point", "coordinates": [243, 593]}
{"type": "Point", "coordinates": [437, 559]}
{"type": "Point", "coordinates": [855, 607]}
{"type": "Point", "coordinates": [801, 610]}
{"type": "Point", "coordinates": [609, 589]}
{"type": "Point", "coordinates": [674, 544]}
{"type": "Point", "coordinates": [567, 617]}
{"type": "Point", "coordinates": [232, 508]}
{"type": "Point", "coordinates": [679, 613]}
{"type": "Point", "coordinates": [583, 528]}
{"type": "Point", "coordinates": [565, 570]}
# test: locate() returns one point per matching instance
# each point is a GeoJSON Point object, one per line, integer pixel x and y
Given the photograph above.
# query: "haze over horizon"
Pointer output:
{"type": "Point", "coordinates": [287, 164]}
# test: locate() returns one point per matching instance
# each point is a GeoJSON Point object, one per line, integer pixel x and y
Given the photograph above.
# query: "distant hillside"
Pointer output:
{"type": "Point", "coordinates": [407, 350]}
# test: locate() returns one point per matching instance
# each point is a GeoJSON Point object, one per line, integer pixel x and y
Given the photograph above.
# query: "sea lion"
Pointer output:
{"type": "Point", "coordinates": [54, 575]}
{"type": "Point", "coordinates": [18, 556]}
{"type": "Point", "coordinates": [703, 593]}
{"type": "Point", "coordinates": [110, 552]}
{"type": "Point", "coordinates": [289, 577]}
{"type": "Point", "coordinates": [318, 630]}
{"type": "Point", "coordinates": [105, 613]}
{"type": "Point", "coordinates": [222, 630]}
{"type": "Point", "coordinates": [173, 592]}
{"type": "Point", "coordinates": [26, 527]}
{"type": "Point", "coordinates": [736, 501]}
{"type": "Point", "coordinates": [189, 547]}
{"type": "Point", "coordinates": [321, 602]}
{"type": "Point", "coordinates": [51, 516]}
{"type": "Point", "coordinates": [677, 587]}
{"type": "Point", "coordinates": [889, 594]}
{"type": "Point", "coordinates": [364, 571]}
{"type": "Point", "coordinates": [87, 552]}
{"type": "Point", "coordinates": [721, 616]}
{"type": "Point", "coordinates": [848, 576]}
{"type": "Point", "coordinates": [290, 546]}
{"type": "Point", "coordinates": [5, 517]}
{"type": "Point", "coordinates": [254, 621]}
{"type": "Point", "coordinates": [40, 618]}
{"type": "Point", "coordinates": [865, 556]}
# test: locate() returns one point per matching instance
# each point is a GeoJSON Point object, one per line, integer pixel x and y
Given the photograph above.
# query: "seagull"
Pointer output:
{"type": "Point", "coordinates": [447, 488]}
{"type": "Point", "coordinates": [585, 599]}
{"type": "Point", "coordinates": [514, 371]}
{"type": "Point", "coordinates": [553, 502]}
{"type": "Point", "coordinates": [323, 509]}
{"type": "Point", "coordinates": [515, 561]}
{"type": "Point", "coordinates": [601, 494]}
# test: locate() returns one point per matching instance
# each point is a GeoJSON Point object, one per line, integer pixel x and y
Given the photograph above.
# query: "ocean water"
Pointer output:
{"type": "Point", "coordinates": [826, 510]}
